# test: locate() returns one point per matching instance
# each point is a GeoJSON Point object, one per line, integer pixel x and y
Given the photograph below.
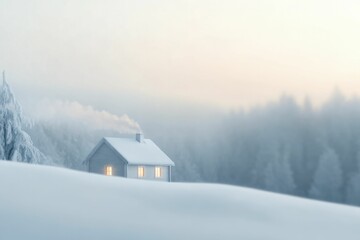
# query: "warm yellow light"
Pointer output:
{"type": "Point", "coordinates": [157, 172]}
{"type": "Point", "coordinates": [141, 172]}
{"type": "Point", "coordinates": [108, 171]}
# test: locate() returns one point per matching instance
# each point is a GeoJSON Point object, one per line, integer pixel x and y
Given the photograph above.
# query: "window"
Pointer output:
{"type": "Point", "coordinates": [157, 172]}
{"type": "Point", "coordinates": [141, 172]}
{"type": "Point", "coordinates": [108, 171]}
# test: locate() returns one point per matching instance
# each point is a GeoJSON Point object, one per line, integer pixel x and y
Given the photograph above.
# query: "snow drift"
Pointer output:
{"type": "Point", "coordinates": [41, 202]}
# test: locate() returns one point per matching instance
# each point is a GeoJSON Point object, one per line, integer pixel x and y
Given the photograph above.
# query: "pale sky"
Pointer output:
{"type": "Point", "coordinates": [220, 53]}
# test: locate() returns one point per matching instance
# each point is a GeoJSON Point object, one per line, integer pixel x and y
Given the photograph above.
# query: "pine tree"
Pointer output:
{"type": "Point", "coordinates": [328, 178]}
{"type": "Point", "coordinates": [15, 144]}
{"type": "Point", "coordinates": [353, 188]}
{"type": "Point", "coordinates": [278, 176]}
{"type": "Point", "coordinates": [267, 154]}
{"type": "Point", "coordinates": [272, 171]}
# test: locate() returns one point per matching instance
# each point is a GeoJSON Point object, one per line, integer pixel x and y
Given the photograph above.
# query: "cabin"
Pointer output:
{"type": "Point", "coordinates": [132, 157]}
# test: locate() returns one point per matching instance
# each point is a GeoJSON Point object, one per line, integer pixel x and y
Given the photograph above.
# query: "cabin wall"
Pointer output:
{"type": "Point", "coordinates": [105, 156]}
{"type": "Point", "coordinates": [132, 172]}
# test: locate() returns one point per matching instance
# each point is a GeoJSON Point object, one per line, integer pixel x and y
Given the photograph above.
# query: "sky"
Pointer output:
{"type": "Point", "coordinates": [224, 54]}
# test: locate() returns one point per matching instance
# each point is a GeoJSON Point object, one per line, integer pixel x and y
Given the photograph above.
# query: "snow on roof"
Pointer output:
{"type": "Point", "coordinates": [134, 152]}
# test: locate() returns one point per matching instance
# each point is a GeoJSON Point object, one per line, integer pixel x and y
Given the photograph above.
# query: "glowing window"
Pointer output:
{"type": "Point", "coordinates": [108, 171]}
{"type": "Point", "coordinates": [141, 172]}
{"type": "Point", "coordinates": [158, 172]}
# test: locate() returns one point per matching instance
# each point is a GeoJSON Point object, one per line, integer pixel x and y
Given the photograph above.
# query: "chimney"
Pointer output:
{"type": "Point", "coordinates": [139, 137]}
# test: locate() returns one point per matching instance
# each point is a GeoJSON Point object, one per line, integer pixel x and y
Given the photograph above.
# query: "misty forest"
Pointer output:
{"type": "Point", "coordinates": [282, 147]}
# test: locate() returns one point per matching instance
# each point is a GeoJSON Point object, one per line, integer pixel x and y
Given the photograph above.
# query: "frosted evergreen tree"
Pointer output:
{"type": "Point", "coordinates": [15, 144]}
{"type": "Point", "coordinates": [272, 171]}
{"type": "Point", "coordinates": [278, 175]}
{"type": "Point", "coordinates": [266, 155]}
{"type": "Point", "coordinates": [328, 178]}
{"type": "Point", "coordinates": [353, 188]}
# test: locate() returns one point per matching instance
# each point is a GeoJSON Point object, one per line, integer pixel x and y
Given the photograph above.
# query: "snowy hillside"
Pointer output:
{"type": "Point", "coordinates": [39, 202]}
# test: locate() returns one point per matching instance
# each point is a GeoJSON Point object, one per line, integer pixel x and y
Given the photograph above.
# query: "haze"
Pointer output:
{"type": "Point", "coordinates": [182, 72]}
{"type": "Point", "coordinates": [224, 54]}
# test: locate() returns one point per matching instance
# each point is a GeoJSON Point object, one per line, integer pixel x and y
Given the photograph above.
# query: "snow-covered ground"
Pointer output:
{"type": "Point", "coordinates": [39, 202]}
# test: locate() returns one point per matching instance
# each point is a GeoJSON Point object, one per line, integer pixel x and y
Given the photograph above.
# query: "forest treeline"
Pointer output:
{"type": "Point", "coordinates": [283, 147]}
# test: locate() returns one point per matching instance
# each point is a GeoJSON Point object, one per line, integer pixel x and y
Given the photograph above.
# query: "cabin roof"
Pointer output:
{"type": "Point", "coordinates": [134, 152]}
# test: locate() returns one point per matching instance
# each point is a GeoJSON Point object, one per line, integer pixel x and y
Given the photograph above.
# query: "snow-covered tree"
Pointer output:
{"type": "Point", "coordinates": [353, 187]}
{"type": "Point", "coordinates": [328, 178]}
{"type": "Point", "coordinates": [272, 171]}
{"type": "Point", "coordinates": [353, 190]}
{"type": "Point", "coordinates": [267, 153]}
{"type": "Point", "coordinates": [15, 144]}
{"type": "Point", "coordinates": [278, 175]}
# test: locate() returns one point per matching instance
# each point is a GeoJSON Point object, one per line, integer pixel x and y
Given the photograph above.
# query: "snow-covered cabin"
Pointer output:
{"type": "Point", "coordinates": [134, 157]}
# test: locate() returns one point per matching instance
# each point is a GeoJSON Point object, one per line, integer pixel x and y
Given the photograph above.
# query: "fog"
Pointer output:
{"type": "Point", "coordinates": [282, 146]}
{"type": "Point", "coordinates": [219, 53]}
{"type": "Point", "coordinates": [236, 92]}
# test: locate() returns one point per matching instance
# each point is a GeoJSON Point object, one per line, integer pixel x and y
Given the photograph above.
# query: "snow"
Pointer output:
{"type": "Point", "coordinates": [134, 152]}
{"type": "Point", "coordinates": [42, 202]}
{"type": "Point", "coordinates": [15, 144]}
